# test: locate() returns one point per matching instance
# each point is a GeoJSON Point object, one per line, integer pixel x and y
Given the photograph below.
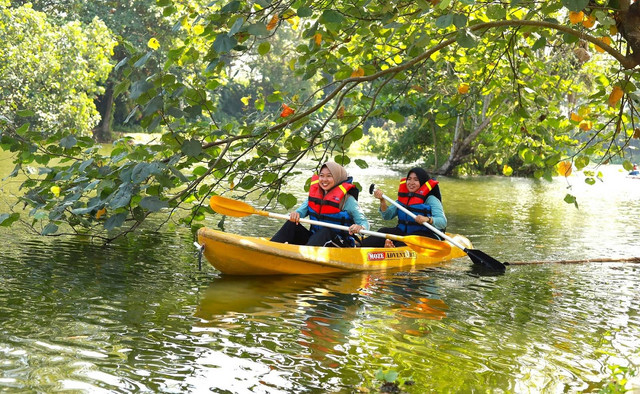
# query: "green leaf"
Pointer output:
{"type": "Point", "coordinates": [343, 160]}
{"type": "Point", "coordinates": [264, 48]}
{"type": "Point", "coordinates": [575, 5]}
{"type": "Point", "coordinates": [331, 16]}
{"type": "Point", "coordinates": [539, 44]}
{"type": "Point", "coordinates": [138, 88]}
{"type": "Point", "coordinates": [231, 7]}
{"type": "Point", "coordinates": [23, 129]}
{"type": "Point", "coordinates": [122, 196]}
{"type": "Point", "coordinates": [569, 199]}
{"type": "Point", "coordinates": [396, 117]}
{"type": "Point", "coordinates": [581, 162]}
{"type": "Point", "coordinates": [569, 38]}
{"type": "Point", "coordinates": [140, 173]}
{"type": "Point", "coordinates": [444, 21]}
{"type": "Point", "coordinates": [121, 88]}
{"type": "Point", "coordinates": [496, 12]}
{"type": "Point", "coordinates": [68, 142]}
{"type": "Point", "coordinates": [143, 60]}
{"type": "Point", "coordinates": [466, 39]}
{"type": "Point", "coordinates": [223, 43]}
{"type": "Point", "coordinates": [153, 203]}
{"type": "Point", "coordinates": [305, 11]}
{"type": "Point", "coordinates": [259, 105]}
{"type": "Point", "coordinates": [23, 113]}
{"type": "Point", "coordinates": [114, 221]}
{"type": "Point", "coordinates": [50, 228]}
{"type": "Point", "coordinates": [153, 105]}
{"type": "Point", "coordinates": [237, 25]}
{"type": "Point", "coordinates": [287, 200]}
{"type": "Point", "coordinates": [258, 29]}
{"type": "Point", "coordinates": [361, 163]}
{"type": "Point", "coordinates": [191, 148]}
{"type": "Point", "coordinates": [7, 219]}
{"type": "Point", "coordinates": [459, 20]}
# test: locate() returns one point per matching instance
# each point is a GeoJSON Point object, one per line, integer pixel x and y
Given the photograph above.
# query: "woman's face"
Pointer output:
{"type": "Point", "coordinates": [326, 179]}
{"type": "Point", "coordinates": [413, 183]}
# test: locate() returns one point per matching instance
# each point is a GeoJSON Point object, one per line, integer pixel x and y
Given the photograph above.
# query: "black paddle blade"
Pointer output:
{"type": "Point", "coordinates": [481, 258]}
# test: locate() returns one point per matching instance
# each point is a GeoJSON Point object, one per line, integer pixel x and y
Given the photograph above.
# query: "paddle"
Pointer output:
{"type": "Point", "coordinates": [477, 256]}
{"type": "Point", "coordinates": [424, 245]}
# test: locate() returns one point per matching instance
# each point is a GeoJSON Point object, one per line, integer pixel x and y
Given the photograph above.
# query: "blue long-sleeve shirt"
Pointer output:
{"type": "Point", "coordinates": [437, 212]}
{"type": "Point", "coordinates": [350, 205]}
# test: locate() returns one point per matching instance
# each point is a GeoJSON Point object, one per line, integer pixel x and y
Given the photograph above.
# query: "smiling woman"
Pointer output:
{"type": "Point", "coordinates": [420, 194]}
{"type": "Point", "coordinates": [333, 199]}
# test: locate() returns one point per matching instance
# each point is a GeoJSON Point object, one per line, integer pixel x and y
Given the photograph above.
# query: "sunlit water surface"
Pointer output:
{"type": "Point", "coordinates": [138, 315]}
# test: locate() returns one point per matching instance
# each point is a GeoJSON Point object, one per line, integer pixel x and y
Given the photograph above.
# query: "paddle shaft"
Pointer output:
{"type": "Point", "coordinates": [430, 227]}
{"type": "Point", "coordinates": [331, 225]}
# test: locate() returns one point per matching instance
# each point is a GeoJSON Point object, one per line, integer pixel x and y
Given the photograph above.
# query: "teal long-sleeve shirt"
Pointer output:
{"type": "Point", "coordinates": [350, 205]}
{"type": "Point", "coordinates": [437, 212]}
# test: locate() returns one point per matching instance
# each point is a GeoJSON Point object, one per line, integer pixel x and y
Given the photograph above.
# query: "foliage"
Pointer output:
{"type": "Point", "coordinates": [620, 376]}
{"type": "Point", "coordinates": [499, 80]}
{"type": "Point", "coordinates": [49, 73]}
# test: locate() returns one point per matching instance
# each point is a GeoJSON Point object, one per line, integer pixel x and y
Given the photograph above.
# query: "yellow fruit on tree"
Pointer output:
{"type": "Point", "coordinates": [606, 40]}
{"type": "Point", "coordinates": [463, 88]}
{"type": "Point", "coordinates": [585, 125]}
{"type": "Point", "coordinates": [576, 17]}
{"type": "Point", "coordinates": [564, 168]}
{"type": "Point", "coordinates": [575, 117]}
{"type": "Point", "coordinates": [589, 22]}
{"type": "Point", "coordinates": [615, 96]}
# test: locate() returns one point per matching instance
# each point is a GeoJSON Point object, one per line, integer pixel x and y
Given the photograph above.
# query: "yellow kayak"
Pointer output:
{"type": "Point", "coordinates": [234, 254]}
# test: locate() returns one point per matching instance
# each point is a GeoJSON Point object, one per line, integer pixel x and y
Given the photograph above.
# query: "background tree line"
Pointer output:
{"type": "Point", "coordinates": [241, 91]}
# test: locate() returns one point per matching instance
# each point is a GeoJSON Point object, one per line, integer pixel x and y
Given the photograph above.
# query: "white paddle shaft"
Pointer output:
{"type": "Point", "coordinates": [430, 227]}
{"type": "Point", "coordinates": [331, 225]}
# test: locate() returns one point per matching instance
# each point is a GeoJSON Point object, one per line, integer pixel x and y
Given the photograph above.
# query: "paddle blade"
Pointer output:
{"type": "Point", "coordinates": [429, 246]}
{"type": "Point", "coordinates": [230, 207]}
{"type": "Point", "coordinates": [483, 259]}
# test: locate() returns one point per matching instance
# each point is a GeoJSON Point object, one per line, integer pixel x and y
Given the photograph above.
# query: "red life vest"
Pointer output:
{"type": "Point", "coordinates": [419, 196]}
{"type": "Point", "coordinates": [414, 202]}
{"type": "Point", "coordinates": [329, 203]}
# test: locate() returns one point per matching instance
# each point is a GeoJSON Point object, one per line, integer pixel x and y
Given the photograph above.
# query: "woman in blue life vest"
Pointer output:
{"type": "Point", "coordinates": [421, 195]}
{"type": "Point", "coordinates": [332, 198]}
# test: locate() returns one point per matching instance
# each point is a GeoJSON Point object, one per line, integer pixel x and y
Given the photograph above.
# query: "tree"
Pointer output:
{"type": "Point", "coordinates": [353, 53]}
{"type": "Point", "coordinates": [50, 73]}
{"type": "Point", "coordinates": [133, 22]}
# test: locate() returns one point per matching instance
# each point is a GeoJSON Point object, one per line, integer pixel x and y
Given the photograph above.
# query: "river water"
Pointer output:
{"type": "Point", "coordinates": [139, 316]}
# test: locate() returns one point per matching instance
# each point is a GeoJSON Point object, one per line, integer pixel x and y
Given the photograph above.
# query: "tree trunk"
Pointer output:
{"type": "Point", "coordinates": [463, 147]}
{"type": "Point", "coordinates": [104, 105]}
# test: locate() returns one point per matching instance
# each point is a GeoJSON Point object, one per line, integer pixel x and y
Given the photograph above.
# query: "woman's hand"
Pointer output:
{"type": "Point", "coordinates": [354, 229]}
{"type": "Point", "coordinates": [422, 219]}
{"type": "Point", "coordinates": [380, 196]}
{"type": "Point", "coordinates": [294, 217]}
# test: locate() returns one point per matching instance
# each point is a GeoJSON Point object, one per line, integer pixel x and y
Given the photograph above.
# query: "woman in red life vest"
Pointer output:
{"type": "Point", "coordinates": [332, 198]}
{"type": "Point", "coordinates": [419, 194]}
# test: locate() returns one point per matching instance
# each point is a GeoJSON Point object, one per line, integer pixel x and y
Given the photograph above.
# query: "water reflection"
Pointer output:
{"type": "Point", "coordinates": [138, 316]}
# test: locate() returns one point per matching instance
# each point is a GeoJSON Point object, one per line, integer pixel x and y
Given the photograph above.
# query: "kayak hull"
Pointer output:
{"type": "Point", "coordinates": [234, 254]}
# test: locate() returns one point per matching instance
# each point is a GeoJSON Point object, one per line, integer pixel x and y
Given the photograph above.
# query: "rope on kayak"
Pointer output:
{"type": "Point", "coordinates": [598, 260]}
{"type": "Point", "coordinates": [199, 253]}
